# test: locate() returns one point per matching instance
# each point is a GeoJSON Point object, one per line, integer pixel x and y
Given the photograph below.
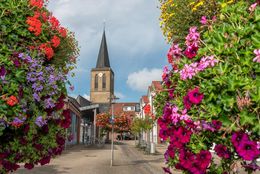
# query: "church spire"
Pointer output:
{"type": "Point", "coordinates": [103, 58]}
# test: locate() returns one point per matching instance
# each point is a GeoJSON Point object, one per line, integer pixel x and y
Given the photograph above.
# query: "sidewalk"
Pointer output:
{"type": "Point", "coordinates": [155, 160]}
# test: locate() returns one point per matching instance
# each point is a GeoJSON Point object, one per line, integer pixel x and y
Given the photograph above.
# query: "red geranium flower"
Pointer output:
{"type": "Point", "coordinates": [34, 24]}
{"type": "Point", "coordinates": [11, 101]}
{"type": "Point", "coordinates": [54, 22]}
{"type": "Point", "coordinates": [63, 31]}
{"type": "Point", "coordinates": [36, 3]}
{"type": "Point", "coordinates": [55, 41]}
{"type": "Point", "coordinates": [47, 50]}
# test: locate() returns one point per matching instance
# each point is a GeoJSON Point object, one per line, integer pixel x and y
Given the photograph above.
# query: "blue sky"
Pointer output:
{"type": "Point", "coordinates": [137, 49]}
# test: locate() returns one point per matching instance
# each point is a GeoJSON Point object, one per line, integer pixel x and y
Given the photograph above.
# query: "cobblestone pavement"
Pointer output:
{"type": "Point", "coordinates": [82, 160]}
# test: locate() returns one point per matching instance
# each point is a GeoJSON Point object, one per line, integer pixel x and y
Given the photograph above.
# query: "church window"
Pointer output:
{"type": "Point", "coordinates": [96, 81]}
{"type": "Point", "coordinates": [104, 81]}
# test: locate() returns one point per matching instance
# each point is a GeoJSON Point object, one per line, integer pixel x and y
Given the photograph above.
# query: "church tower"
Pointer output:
{"type": "Point", "coordinates": [102, 77]}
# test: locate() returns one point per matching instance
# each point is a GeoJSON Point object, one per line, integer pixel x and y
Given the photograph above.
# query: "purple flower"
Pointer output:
{"type": "Point", "coordinates": [166, 156]}
{"type": "Point", "coordinates": [222, 151]}
{"type": "Point", "coordinates": [17, 63]}
{"type": "Point", "coordinates": [2, 72]}
{"type": "Point", "coordinates": [36, 97]}
{"type": "Point", "coordinates": [253, 166]}
{"type": "Point", "coordinates": [21, 55]}
{"type": "Point", "coordinates": [48, 103]}
{"type": "Point", "coordinates": [28, 166]}
{"type": "Point", "coordinates": [167, 170]}
{"type": "Point", "coordinates": [207, 126]}
{"type": "Point", "coordinates": [45, 160]}
{"type": "Point", "coordinates": [39, 147]}
{"type": "Point", "coordinates": [40, 121]}
{"type": "Point", "coordinates": [37, 87]}
{"type": "Point", "coordinates": [17, 122]}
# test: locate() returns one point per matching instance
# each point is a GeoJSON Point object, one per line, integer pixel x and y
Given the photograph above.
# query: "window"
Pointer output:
{"type": "Point", "coordinates": [96, 81]}
{"type": "Point", "coordinates": [128, 108]}
{"type": "Point", "coordinates": [137, 108]}
{"type": "Point", "coordinates": [104, 81]}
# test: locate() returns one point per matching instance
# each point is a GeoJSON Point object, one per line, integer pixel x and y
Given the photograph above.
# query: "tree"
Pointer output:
{"type": "Point", "coordinates": [121, 122]}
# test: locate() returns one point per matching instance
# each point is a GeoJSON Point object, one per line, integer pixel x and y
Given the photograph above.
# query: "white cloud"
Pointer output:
{"type": "Point", "coordinates": [86, 96]}
{"type": "Point", "coordinates": [140, 80]}
{"type": "Point", "coordinates": [132, 25]}
{"type": "Point", "coordinates": [120, 95]}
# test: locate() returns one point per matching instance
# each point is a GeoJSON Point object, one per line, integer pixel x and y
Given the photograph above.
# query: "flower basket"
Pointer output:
{"type": "Point", "coordinates": [212, 95]}
{"type": "Point", "coordinates": [36, 55]}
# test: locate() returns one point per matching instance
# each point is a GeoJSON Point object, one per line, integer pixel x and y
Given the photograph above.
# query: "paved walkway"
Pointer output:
{"type": "Point", "coordinates": [82, 160]}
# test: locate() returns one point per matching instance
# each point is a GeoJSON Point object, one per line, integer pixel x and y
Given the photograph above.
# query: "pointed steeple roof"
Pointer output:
{"type": "Point", "coordinates": [103, 58]}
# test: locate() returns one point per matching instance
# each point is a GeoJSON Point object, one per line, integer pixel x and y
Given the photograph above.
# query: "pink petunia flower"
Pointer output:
{"type": "Point", "coordinates": [253, 7]}
{"type": "Point", "coordinates": [257, 58]}
{"type": "Point", "coordinates": [195, 96]}
{"type": "Point", "coordinates": [203, 20]}
{"type": "Point", "coordinates": [248, 150]}
{"type": "Point", "coordinates": [187, 72]}
{"type": "Point", "coordinates": [214, 19]}
{"type": "Point", "coordinates": [174, 52]}
{"type": "Point", "coordinates": [193, 38]}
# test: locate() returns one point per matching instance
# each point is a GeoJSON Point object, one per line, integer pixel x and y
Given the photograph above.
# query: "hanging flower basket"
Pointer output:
{"type": "Point", "coordinates": [214, 109]}
{"type": "Point", "coordinates": [36, 54]}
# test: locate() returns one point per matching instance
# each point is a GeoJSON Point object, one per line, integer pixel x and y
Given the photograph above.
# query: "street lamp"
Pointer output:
{"type": "Point", "coordinates": [112, 99]}
{"type": "Point", "coordinates": [152, 144]}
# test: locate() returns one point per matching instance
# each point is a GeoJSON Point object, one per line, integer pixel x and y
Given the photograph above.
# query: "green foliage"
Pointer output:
{"type": "Point", "coordinates": [140, 124]}
{"type": "Point", "coordinates": [230, 88]}
{"type": "Point", "coordinates": [237, 75]}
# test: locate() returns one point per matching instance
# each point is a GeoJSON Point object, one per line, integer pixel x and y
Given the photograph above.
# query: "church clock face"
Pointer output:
{"type": "Point", "coordinates": [100, 74]}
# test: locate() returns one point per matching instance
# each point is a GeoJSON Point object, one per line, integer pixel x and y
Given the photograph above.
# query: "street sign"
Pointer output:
{"type": "Point", "coordinates": [111, 120]}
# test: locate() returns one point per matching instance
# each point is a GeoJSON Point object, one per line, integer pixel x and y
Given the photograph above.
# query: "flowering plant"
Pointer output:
{"type": "Point", "coordinates": [121, 122]}
{"type": "Point", "coordinates": [36, 54]}
{"type": "Point", "coordinates": [213, 100]}
{"type": "Point", "coordinates": [178, 15]}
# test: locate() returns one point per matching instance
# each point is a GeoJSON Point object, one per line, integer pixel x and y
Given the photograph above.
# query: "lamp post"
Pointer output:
{"type": "Point", "coordinates": [152, 144]}
{"type": "Point", "coordinates": [113, 98]}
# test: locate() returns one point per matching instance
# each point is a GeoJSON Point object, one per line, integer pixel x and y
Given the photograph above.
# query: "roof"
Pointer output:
{"type": "Point", "coordinates": [118, 109]}
{"type": "Point", "coordinates": [157, 85]}
{"type": "Point", "coordinates": [73, 101]}
{"type": "Point", "coordinates": [82, 101]}
{"type": "Point", "coordinates": [103, 58]}
{"type": "Point", "coordinates": [145, 99]}
{"type": "Point", "coordinates": [89, 107]}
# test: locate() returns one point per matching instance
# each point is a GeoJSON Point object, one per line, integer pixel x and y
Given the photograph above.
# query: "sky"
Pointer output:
{"type": "Point", "coordinates": [136, 46]}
